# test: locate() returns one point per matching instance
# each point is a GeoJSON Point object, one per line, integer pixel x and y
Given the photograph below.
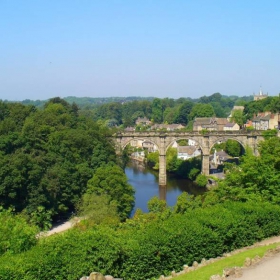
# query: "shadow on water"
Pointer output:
{"type": "Point", "coordinates": [145, 183]}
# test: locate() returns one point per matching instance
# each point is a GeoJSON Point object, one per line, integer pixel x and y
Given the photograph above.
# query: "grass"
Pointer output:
{"type": "Point", "coordinates": [204, 273]}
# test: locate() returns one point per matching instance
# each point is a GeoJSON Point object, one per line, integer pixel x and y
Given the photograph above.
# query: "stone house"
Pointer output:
{"type": "Point", "coordinates": [187, 152]}
{"type": "Point", "coordinates": [265, 121]}
{"type": "Point", "coordinates": [143, 121]}
{"type": "Point", "coordinates": [231, 127]}
{"type": "Point", "coordinates": [211, 124]}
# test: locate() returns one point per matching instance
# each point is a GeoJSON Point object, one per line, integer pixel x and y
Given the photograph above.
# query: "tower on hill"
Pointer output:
{"type": "Point", "coordinates": [260, 96]}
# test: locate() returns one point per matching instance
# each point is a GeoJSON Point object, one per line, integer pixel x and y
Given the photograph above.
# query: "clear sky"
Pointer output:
{"type": "Point", "coordinates": [175, 48]}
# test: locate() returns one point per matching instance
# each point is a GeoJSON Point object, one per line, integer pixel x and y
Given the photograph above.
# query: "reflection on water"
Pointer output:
{"type": "Point", "coordinates": [145, 183]}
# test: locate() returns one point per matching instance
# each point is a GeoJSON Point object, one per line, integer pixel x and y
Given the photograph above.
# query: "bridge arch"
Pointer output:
{"type": "Point", "coordinates": [128, 141]}
{"type": "Point", "coordinates": [224, 139]}
{"type": "Point", "coordinates": [205, 141]}
{"type": "Point", "coordinates": [184, 138]}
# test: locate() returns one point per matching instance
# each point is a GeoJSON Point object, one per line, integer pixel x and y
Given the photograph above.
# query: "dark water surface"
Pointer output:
{"type": "Point", "coordinates": [145, 183]}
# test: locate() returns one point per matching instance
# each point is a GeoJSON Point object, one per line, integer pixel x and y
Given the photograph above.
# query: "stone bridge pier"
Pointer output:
{"type": "Point", "coordinates": [205, 141]}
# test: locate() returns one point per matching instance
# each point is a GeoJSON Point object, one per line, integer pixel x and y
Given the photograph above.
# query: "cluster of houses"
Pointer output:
{"type": "Point", "coordinates": [262, 121]}
{"type": "Point", "coordinates": [183, 152]}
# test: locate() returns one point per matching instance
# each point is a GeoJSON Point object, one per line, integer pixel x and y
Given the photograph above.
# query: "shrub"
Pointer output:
{"type": "Point", "coordinates": [201, 180]}
{"type": "Point", "coordinates": [156, 247]}
{"type": "Point", "coordinates": [15, 234]}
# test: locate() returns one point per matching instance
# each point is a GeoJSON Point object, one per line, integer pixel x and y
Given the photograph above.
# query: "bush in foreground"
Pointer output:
{"type": "Point", "coordinates": [147, 247]}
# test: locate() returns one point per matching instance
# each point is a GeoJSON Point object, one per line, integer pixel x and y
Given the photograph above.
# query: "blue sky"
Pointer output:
{"type": "Point", "coordinates": [175, 48]}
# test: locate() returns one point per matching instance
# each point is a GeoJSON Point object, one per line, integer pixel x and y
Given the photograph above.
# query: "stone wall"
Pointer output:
{"type": "Point", "coordinates": [227, 272]}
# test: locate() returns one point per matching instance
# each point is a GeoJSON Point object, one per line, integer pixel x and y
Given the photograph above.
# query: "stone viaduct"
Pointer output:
{"type": "Point", "coordinates": [205, 141]}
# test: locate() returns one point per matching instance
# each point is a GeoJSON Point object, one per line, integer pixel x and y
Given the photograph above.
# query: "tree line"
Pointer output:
{"type": "Point", "coordinates": [123, 111]}
{"type": "Point", "coordinates": [50, 156]}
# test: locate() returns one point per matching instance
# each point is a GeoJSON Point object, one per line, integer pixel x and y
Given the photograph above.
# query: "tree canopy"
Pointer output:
{"type": "Point", "coordinates": [48, 155]}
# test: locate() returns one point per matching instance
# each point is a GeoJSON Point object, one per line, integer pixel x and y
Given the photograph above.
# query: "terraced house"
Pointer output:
{"type": "Point", "coordinates": [211, 124]}
{"type": "Point", "coordinates": [266, 120]}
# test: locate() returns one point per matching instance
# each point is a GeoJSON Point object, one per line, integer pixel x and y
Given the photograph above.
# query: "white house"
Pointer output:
{"type": "Point", "coordinates": [191, 142]}
{"type": "Point", "coordinates": [187, 152]}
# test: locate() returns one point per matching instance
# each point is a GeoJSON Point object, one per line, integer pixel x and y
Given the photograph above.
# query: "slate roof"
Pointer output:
{"type": "Point", "coordinates": [186, 149]}
{"type": "Point", "coordinates": [262, 118]}
{"type": "Point", "coordinates": [230, 125]}
{"type": "Point", "coordinates": [208, 121]}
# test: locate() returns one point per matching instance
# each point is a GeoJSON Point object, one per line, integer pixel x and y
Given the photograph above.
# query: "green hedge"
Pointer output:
{"type": "Point", "coordinates": [141, 252]}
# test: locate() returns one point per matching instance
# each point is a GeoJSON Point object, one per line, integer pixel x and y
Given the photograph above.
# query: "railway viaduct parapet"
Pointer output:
{"type": "Point", "coordinates": [205, 140]}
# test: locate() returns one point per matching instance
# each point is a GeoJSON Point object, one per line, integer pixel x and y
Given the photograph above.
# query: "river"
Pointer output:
{"type": "Point", "coordinates": [145, 183]}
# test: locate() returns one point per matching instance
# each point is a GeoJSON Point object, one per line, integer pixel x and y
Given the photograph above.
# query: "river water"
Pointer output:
{"type": "Point", "coordinates": [145, 183]}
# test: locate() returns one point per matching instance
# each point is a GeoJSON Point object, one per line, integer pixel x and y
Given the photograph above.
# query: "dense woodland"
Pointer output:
{"type": "Point", "coordinates": [123, 111]}
{"type": "Point", "coordinates": [49, 157]}
{"type": "Point", "coordinates": [58, 159]}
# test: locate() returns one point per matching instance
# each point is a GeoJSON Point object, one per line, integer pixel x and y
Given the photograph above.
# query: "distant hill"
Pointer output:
{"type": "Point", "coordinates": [84, 102]}
{"type": "Point", "coordinates": [91, 102]}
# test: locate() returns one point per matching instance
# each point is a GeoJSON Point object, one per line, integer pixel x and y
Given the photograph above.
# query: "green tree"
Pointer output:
{"type": "Point", "coordinates": [110, 180]}
{"type": "Point", "coordinates": [186, 202]}
{"type": "Point", "coordinates": [220, 111]}
{"type": "Point", "coordinates": [156, 205]}
{"type": "Point", "coordinates": [201, 110]}
{"type": "Point", "coordinates": [153, 160]}
{"type": "Point", "coordinates": [237, 117]}
{"type": "Point", "coordinates": [157, 110]}
{"type": "Point", "coordinates": [48, 155]}
{"type": "Point", "coordinates": [184, 111]}
{"type": "Point", "coordinates": [169, 115]}
{"type": "Point", "coordinates": [98, 209]}
{"type": "Point", "coordinates": [233, 148]}
{"type": "Point", "coordinates": [271, 133]}
{"type": "Point", "coordinates": [201, 180]}
{"type": "Point", "coordinates": [16, 235]}
{"type": "Point", "coordinates": [256, 178]}
{"type": "Point", "coordinates": [42, 218]}
{"type": "Point", "coordinates": [171, 159]}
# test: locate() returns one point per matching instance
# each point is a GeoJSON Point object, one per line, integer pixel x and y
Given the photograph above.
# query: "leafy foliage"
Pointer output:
{"type": "Point", "coordinates": [15, 234]}
{"type": "Point", "coordinates": [41, 218]}
{"type": "Point", "coordinates": [201, 180]}
{"type": "Point", "coordinates": [98, 209]}
{"type": "Point", "coordinates": [238, 117]}
{"type": "Point", "coordinates": [183, 168]}
{"type": "Point", "coordinates": [147, 248]}
{"type": "Point", "coordinates": [110, 180]}
{"type": "Point", "coordinates": [233, 148]}
{"type": "Point", "coordinates": [202, 110]}
{"type": "Point", "coordinates": [256, 178]}
{"type": "Point", "coordinates": [47, 157]}
{"type": "Point", "coordinates": [155, 205]}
